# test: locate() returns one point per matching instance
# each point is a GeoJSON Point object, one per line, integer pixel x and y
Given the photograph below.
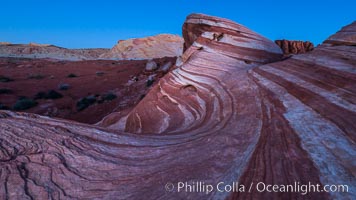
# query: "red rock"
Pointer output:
{"type": "Point", "coordinates": [346, 36]}
{"type": "Point", "coordinates": [294, 47]}
{"type": "Point", "coordinates": [162, 45]}
{"type": "Point", "coordinates": [223, 116]}
{"type": "Point", "coordinates": [34, 50]}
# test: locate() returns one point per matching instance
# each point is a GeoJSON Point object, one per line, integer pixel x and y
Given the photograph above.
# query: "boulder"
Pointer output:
{"type": "Point", "coordinates": [151, 65]}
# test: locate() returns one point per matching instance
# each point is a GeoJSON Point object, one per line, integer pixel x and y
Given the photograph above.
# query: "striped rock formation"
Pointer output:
{"type": "Point", "coordinates": [162, 45]}
{"type": "Point", "coordinates": [346, 36]}
{"type": "Point", "coordinates": [223, 116]}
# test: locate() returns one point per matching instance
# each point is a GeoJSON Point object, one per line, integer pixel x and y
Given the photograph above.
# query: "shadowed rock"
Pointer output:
{"type": "Point", "coordinates": [223, 116]}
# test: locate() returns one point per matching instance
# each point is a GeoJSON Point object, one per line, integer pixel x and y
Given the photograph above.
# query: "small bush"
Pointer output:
{"type": "Point", "coordinates": [5, 91]}
{"type": "Point", "coordinates": [109, 96]}
{"type": "Point", "coordinates": [24, 103]}
{"type": "Point", "coordinates": [106, 97]}
{"type": "Point", "coordinates": [63, 86]}
{"type": "Point", "coordinates": [85, 102]}
{"type": "Point", "coordinates": [71, 75]}
{"type": "Point", "coordinates": [99, 73]}
{"type": "Point", "coordinates": [5, 79]}
{"type": "Point", "coordinates": [3, 107]}
{"type": "Point", "coordinates": [52, 94]}
{"type": "Point", "coordinates": [36, 76]}
{"type": "Point", "coordinates": [40, 95]}
{"type": "Point", "coordinates": [149, 82]}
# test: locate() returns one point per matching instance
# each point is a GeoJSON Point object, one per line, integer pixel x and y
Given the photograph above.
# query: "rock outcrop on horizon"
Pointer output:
{"type": "Point", "coordinates": [233, 112]}
{"type": "Point", "coordinates": [159, 46]}
{"type": "Point", "coordinates": [346, 36]}
{"type": "Point", "coordinates": [34, 50]}
{"type": "Point", "coordinates": [294, 47]}
{"type": "Point", "coordinates": [162, 45]}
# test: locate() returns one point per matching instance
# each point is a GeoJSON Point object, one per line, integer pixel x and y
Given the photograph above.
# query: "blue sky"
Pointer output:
{"type": "Point", "coordinates": [83, 24]}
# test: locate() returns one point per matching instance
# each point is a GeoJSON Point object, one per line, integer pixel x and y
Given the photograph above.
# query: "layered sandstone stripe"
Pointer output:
{"type": "Point", "coordinates": [346, 36]}
{"type": "Point", "coordinates": [225, 115]}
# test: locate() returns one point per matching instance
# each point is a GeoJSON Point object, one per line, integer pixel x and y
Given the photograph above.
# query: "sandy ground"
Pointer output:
{"type": "Point", "coordinates": [126, 79]}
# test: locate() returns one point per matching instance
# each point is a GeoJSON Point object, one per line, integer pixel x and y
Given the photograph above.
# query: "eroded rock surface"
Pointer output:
{"type": "Point", "coordinates": [223, 116]}
{"type": "Point", "coordinates": [294, 47]}
{"type": "Point", "coordinates": [162, 45]}
{"type": "Point", "coordinates": [34, 50]}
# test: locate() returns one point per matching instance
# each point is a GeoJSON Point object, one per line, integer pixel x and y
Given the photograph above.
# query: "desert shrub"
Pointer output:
{"type": "Point", "coordinates": [36, 76]}
{"type": "Point", "coordinates": [150, 80]}
{"type": "Point", "coordinates": [63, 86]}
{"type": "Point", "coordinates": [40, 95]}
{"type": "Point", "coordinates": [5, 79]}
{"type": "Point", "coordinates": [99, 73]}
{"type": "Point", "coordinates": [24, 103]}
{"type": "Point", "coordinates": [52, 94]}
{"type": "Point", "coordinates": [149, 83]}
{"type": "Point", "coordinates": [109, 96]}
{"type": "Point", "coordinates": [3, 107]}
{"type": "Point", "coordinates": [85, 102]}
{"type": "Point", "coordinates": [71, 75]}
{"type": "Point", "coordinates": [5, 91]}
{"type": "Point", "coordinates": [106, 97]}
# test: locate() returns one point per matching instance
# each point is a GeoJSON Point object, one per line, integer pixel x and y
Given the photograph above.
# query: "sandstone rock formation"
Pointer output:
{"type": "Point", "coordinates": [346, 36]}
{"type": "Point", "coordinates": [223, 116]}
{"type": "Point", "coordinates": [34, 50]}
{"type": "Point", "coordinates": [163, 45]}
{"type": "Point", "coordinates": [294, 47]}
{"type": "Point", "coordinates": [159, 46]}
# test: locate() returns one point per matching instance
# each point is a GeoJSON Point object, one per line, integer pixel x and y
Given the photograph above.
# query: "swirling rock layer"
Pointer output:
{"type": "Point", "coordinates": [223, 116]}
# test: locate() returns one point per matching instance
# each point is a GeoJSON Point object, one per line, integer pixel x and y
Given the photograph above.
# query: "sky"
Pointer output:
{"type": "Point", "coordinates": [89, 24]}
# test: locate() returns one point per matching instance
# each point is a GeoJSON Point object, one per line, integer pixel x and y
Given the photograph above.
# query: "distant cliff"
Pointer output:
{"type": "Point", "coordinates": [162, 45]}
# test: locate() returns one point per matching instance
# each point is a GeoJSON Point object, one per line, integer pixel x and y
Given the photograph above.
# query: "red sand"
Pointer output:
{"type": "Point", "coordinates": [116, 75]}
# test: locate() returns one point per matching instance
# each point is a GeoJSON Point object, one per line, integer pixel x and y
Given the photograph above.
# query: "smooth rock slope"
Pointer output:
{"type": "Point", "coordinates": [225, 116]}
